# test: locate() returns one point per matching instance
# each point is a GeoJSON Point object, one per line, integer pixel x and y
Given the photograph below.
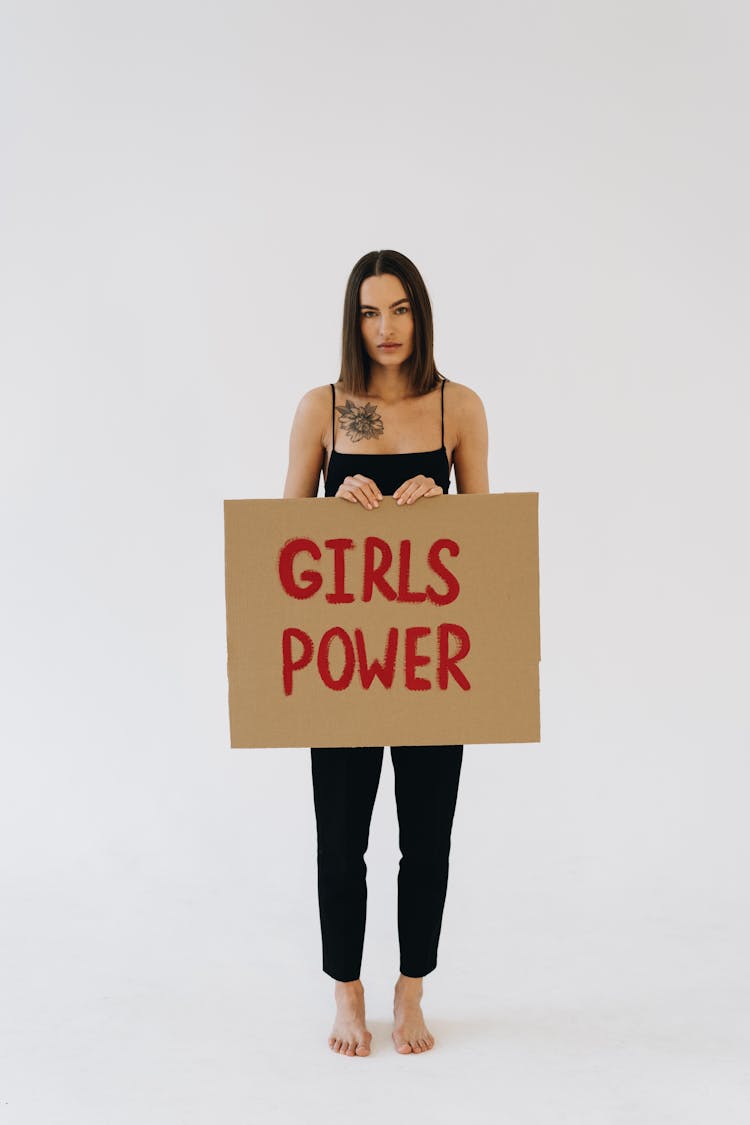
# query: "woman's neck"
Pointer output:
{"type": "Point", "coordinates": [388, 384]}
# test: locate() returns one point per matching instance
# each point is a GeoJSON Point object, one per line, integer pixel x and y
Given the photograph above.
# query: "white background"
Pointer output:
{"type": "Point", "coordinates": [185, 190]}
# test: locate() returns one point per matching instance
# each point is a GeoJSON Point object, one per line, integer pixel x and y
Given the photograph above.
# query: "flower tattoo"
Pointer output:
{"type": "Point", "coordinates": [360, 421]}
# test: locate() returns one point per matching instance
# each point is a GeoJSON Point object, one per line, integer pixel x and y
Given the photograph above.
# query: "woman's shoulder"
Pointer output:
{"type": "Point", "coordinates": [465, 413]}
{"type": "Point", "coordinates": [315, 400]}
{"type": "Point", "coordinates": [463, 396]}
{"type": "Point", "coordinates": [318, 394]}
{"type": "Point", "coordinates": [313, 413]}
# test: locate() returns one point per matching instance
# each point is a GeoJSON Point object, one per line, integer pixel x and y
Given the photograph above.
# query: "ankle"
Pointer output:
{"type": "Point", "coordinates": [349, 986]}
{"type": "Point", "coordinates": [409, 984]}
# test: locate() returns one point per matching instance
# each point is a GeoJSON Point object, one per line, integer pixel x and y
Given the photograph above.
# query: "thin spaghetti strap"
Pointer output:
{"type": "Point", "coordinates": [442, 412]}
{"type": "Point", "coordinates": [333, 416]}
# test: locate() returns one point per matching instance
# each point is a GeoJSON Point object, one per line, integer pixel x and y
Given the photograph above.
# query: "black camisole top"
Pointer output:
{"type": "Point", "coordinates": [388, 470]}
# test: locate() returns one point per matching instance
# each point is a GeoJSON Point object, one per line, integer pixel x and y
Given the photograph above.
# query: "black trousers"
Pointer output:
{"type": "Point", "coordinates": [345, 781]}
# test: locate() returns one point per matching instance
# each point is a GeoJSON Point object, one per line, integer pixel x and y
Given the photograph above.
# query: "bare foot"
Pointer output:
{"type": "Point", "coordinates": [410, 1033]}
{"type": "Point", "coordinates": [350, 1035]}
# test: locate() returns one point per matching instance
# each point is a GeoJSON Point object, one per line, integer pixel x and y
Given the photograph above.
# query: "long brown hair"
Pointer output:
{"type": "Point", "coordinates": [420, 367]}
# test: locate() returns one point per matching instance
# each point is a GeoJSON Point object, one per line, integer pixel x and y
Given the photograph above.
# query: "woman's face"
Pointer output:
{"type": "Point", "coordinates": [386, 318]}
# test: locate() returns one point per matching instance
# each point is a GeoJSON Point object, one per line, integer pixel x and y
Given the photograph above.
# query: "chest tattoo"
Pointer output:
{"type": "Point", "coordinates": [360, 421]}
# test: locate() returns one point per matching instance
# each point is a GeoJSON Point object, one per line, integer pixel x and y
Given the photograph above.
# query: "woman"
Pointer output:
{"type": "Point", "coordinates": [366, 434]}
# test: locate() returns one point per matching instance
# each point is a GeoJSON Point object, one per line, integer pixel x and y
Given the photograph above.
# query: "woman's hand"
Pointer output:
{"type": "Point", "coordinates": [360, 490]}
{"type": "Point", "coordinates": [415, 487]}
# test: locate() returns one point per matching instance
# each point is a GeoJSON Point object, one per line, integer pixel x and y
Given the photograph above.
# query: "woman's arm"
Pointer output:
{"type": "Point", "coordinates": [306, 444]}
{"type": "Point", "coordinates": [470, 453]}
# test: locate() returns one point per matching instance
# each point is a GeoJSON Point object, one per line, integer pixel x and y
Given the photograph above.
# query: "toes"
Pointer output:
{"type": "Point", "coordinates": [350, 1047]}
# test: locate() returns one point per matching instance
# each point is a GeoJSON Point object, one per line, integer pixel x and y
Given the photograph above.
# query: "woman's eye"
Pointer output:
{"type": "Point", "coordinates": [371, 312]}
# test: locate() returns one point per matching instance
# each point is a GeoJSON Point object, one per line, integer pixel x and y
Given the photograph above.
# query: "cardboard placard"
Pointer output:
{"type": "Point", "coordinates": [401, 625]}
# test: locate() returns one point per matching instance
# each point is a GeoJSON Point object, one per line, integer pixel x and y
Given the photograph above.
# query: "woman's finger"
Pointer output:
{"type": "Point", "coordinates": [400, 491]}
{"type": "Point", "coordinates": [412, 489]}
{"type": "Point", "coordinates": [363, 494]}
{"type": "Point", "coordinates": [365, 498]}
{"type": "Point", "coordinates": [415, 495]}
{"type": "Point", "coordinates": [369, 485]}
{"type": "Point", "coordinates": [408, 494]}
{"type": "Point", "coordinates": [357, 493]}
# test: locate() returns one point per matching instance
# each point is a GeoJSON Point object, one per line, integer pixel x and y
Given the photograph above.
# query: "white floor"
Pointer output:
{"type": "Point", "coordinates": [181, 983]}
